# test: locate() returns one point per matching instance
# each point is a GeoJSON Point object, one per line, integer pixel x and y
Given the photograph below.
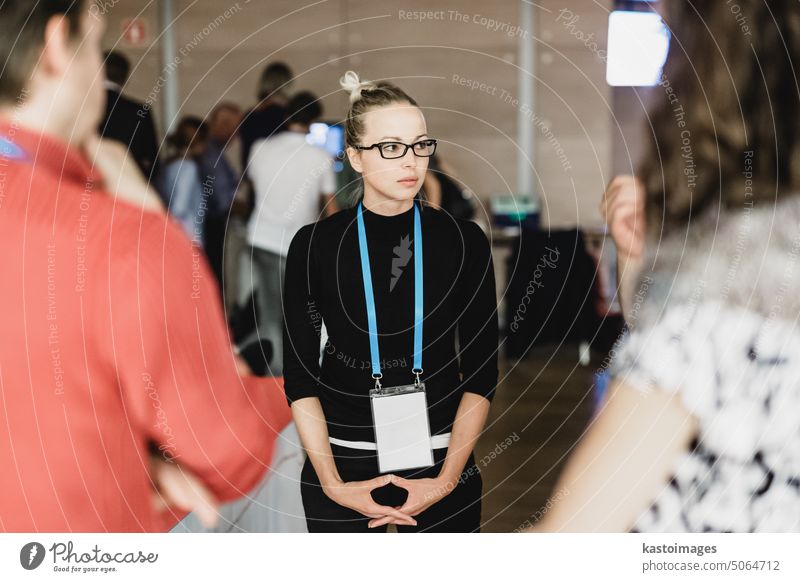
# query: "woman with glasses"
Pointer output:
{"type": "Point", "coordinates": [389, 408]}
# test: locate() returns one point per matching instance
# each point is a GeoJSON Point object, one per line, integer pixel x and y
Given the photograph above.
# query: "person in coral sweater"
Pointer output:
{"type": "Point", "coordinates": [118, 383]}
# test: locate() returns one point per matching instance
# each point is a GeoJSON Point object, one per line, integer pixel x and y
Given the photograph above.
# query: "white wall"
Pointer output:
{"type": "Point", "coordinates": [227, 44]}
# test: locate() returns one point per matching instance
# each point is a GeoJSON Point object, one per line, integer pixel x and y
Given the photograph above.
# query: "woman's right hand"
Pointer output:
{"type": "Point", "coordinates": [356, 495]}
{"type": "Point", "coordinates": [622, 208]}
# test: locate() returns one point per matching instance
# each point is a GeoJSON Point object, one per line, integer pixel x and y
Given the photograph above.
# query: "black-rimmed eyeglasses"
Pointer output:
{"type": "Point", "coordinates": [391, 150]}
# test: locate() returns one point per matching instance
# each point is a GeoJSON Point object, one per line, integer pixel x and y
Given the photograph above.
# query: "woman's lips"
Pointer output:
{"type": "Point", "coordinates": [408, 181]}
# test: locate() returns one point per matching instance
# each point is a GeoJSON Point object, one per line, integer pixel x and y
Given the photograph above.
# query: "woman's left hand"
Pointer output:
{"type": "Point", "coordinates": [422, 493]}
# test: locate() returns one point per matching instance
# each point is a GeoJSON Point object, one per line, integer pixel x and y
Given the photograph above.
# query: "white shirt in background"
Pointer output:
{"type": "Point", "coordinates": [289, 175]}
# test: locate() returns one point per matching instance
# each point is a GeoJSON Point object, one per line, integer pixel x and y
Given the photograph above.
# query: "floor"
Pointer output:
{"type": "Point", "coordinates": [541, 408]}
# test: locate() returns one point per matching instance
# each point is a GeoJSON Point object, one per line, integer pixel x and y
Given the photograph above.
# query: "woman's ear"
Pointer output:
{"type": "Point", "coordinates": [354, 156]}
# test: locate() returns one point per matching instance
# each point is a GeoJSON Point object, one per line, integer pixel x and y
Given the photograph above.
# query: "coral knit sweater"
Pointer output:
{"type": "Point", "coordinates": [112, 344]}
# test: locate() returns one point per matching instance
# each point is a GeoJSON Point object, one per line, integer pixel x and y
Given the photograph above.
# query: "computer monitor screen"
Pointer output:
{"type": "Point", "coordinates": [637, 48]}
{"type": "Point", "coordinates": [330, 137]}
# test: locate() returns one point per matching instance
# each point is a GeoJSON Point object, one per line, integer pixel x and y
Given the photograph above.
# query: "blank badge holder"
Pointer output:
{"type": "Point", "coordinates": [399, 413]}
{"type": "Point", "coordinates": [402, 431]}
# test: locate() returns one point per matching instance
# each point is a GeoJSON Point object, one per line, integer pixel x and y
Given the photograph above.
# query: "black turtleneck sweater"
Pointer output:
{"type": "Point", "coordinates": [324, 284]}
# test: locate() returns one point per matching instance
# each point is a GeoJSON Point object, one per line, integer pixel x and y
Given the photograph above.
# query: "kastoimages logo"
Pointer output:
{"type": "Point", "coordinates": [31, 555]}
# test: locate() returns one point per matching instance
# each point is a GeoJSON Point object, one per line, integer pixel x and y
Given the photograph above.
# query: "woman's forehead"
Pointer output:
{"type": "Point", "coordinates": [400, 120]}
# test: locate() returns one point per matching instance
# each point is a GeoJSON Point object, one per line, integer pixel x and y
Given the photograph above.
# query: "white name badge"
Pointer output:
{"type": "Point", "coordinates": [402, 432]}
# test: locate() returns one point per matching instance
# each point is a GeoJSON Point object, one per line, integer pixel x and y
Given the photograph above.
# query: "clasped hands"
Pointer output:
{"type": "Point", "coordinates": [357, 495]}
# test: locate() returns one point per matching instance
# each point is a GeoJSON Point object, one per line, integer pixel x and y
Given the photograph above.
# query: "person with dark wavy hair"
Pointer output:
{"type": "Point", "coordinates": [701, 431]}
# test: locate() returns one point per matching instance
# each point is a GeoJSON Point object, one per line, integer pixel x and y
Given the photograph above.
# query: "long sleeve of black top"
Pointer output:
{"type": "Point", "coordinates": [323, 283]}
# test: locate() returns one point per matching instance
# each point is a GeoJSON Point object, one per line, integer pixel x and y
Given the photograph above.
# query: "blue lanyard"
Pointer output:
{"type": "Point", "coordinates": [366, 273]}
{"type": "Point", "coordinates": [10, 150]}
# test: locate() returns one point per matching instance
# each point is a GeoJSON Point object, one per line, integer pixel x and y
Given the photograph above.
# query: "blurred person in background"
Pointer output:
{"type": "Point", "coordinates": [222, 179]}
{"type": "Point", "coordinates": [128, 121]}
{"type": "Point", "coordinates": [185, 190]}
{"type": "Point", "coordinates": [444, 191]}
{"type": "Point", "coordinates": [265, 119]}
{"type": "Point", "coordinates": [268, 116]}
{"type": "Point", "coordinates": [294, 184]}
{"type": "Point", "coordinates": [118, 380]}
{"type": "Point", "coordinates": [700, 431]}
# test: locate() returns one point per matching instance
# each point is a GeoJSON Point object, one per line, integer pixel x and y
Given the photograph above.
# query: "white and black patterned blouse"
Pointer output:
{"type": "Point", "coordinates": [719, 328]}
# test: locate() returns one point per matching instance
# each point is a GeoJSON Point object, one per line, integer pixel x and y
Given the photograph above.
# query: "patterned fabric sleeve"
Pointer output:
{"type": "Point", "coordinates": [673, 353]}
{"type": "Point", "coordinates": [736, 371]}
{"type": "Point", "coordinates": [700, 351]}
{"type": "Point", "coordinates": [723, 363]}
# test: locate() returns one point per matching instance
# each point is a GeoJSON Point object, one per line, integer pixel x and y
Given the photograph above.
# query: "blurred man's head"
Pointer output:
{"type": "Point", "coordinates": [224, 122]}
{"type": "Point", "coordinates": [189, 138]}
{"type": "Point", "coordinates": [118, 67]}
{"type": "Point", "coordinates": [52, 78]}
{"type": "Point", "coordinates": [275, 81]}
{"type": "Point", "coordinates": [303, 109]}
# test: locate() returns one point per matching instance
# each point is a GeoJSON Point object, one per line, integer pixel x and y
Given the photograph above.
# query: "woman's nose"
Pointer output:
{"type": "Point", "coordinates": [409, 160]}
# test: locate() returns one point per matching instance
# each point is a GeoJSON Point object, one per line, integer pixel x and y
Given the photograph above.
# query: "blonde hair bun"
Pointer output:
{"type": "Point", "coordinates": [354, 86]}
